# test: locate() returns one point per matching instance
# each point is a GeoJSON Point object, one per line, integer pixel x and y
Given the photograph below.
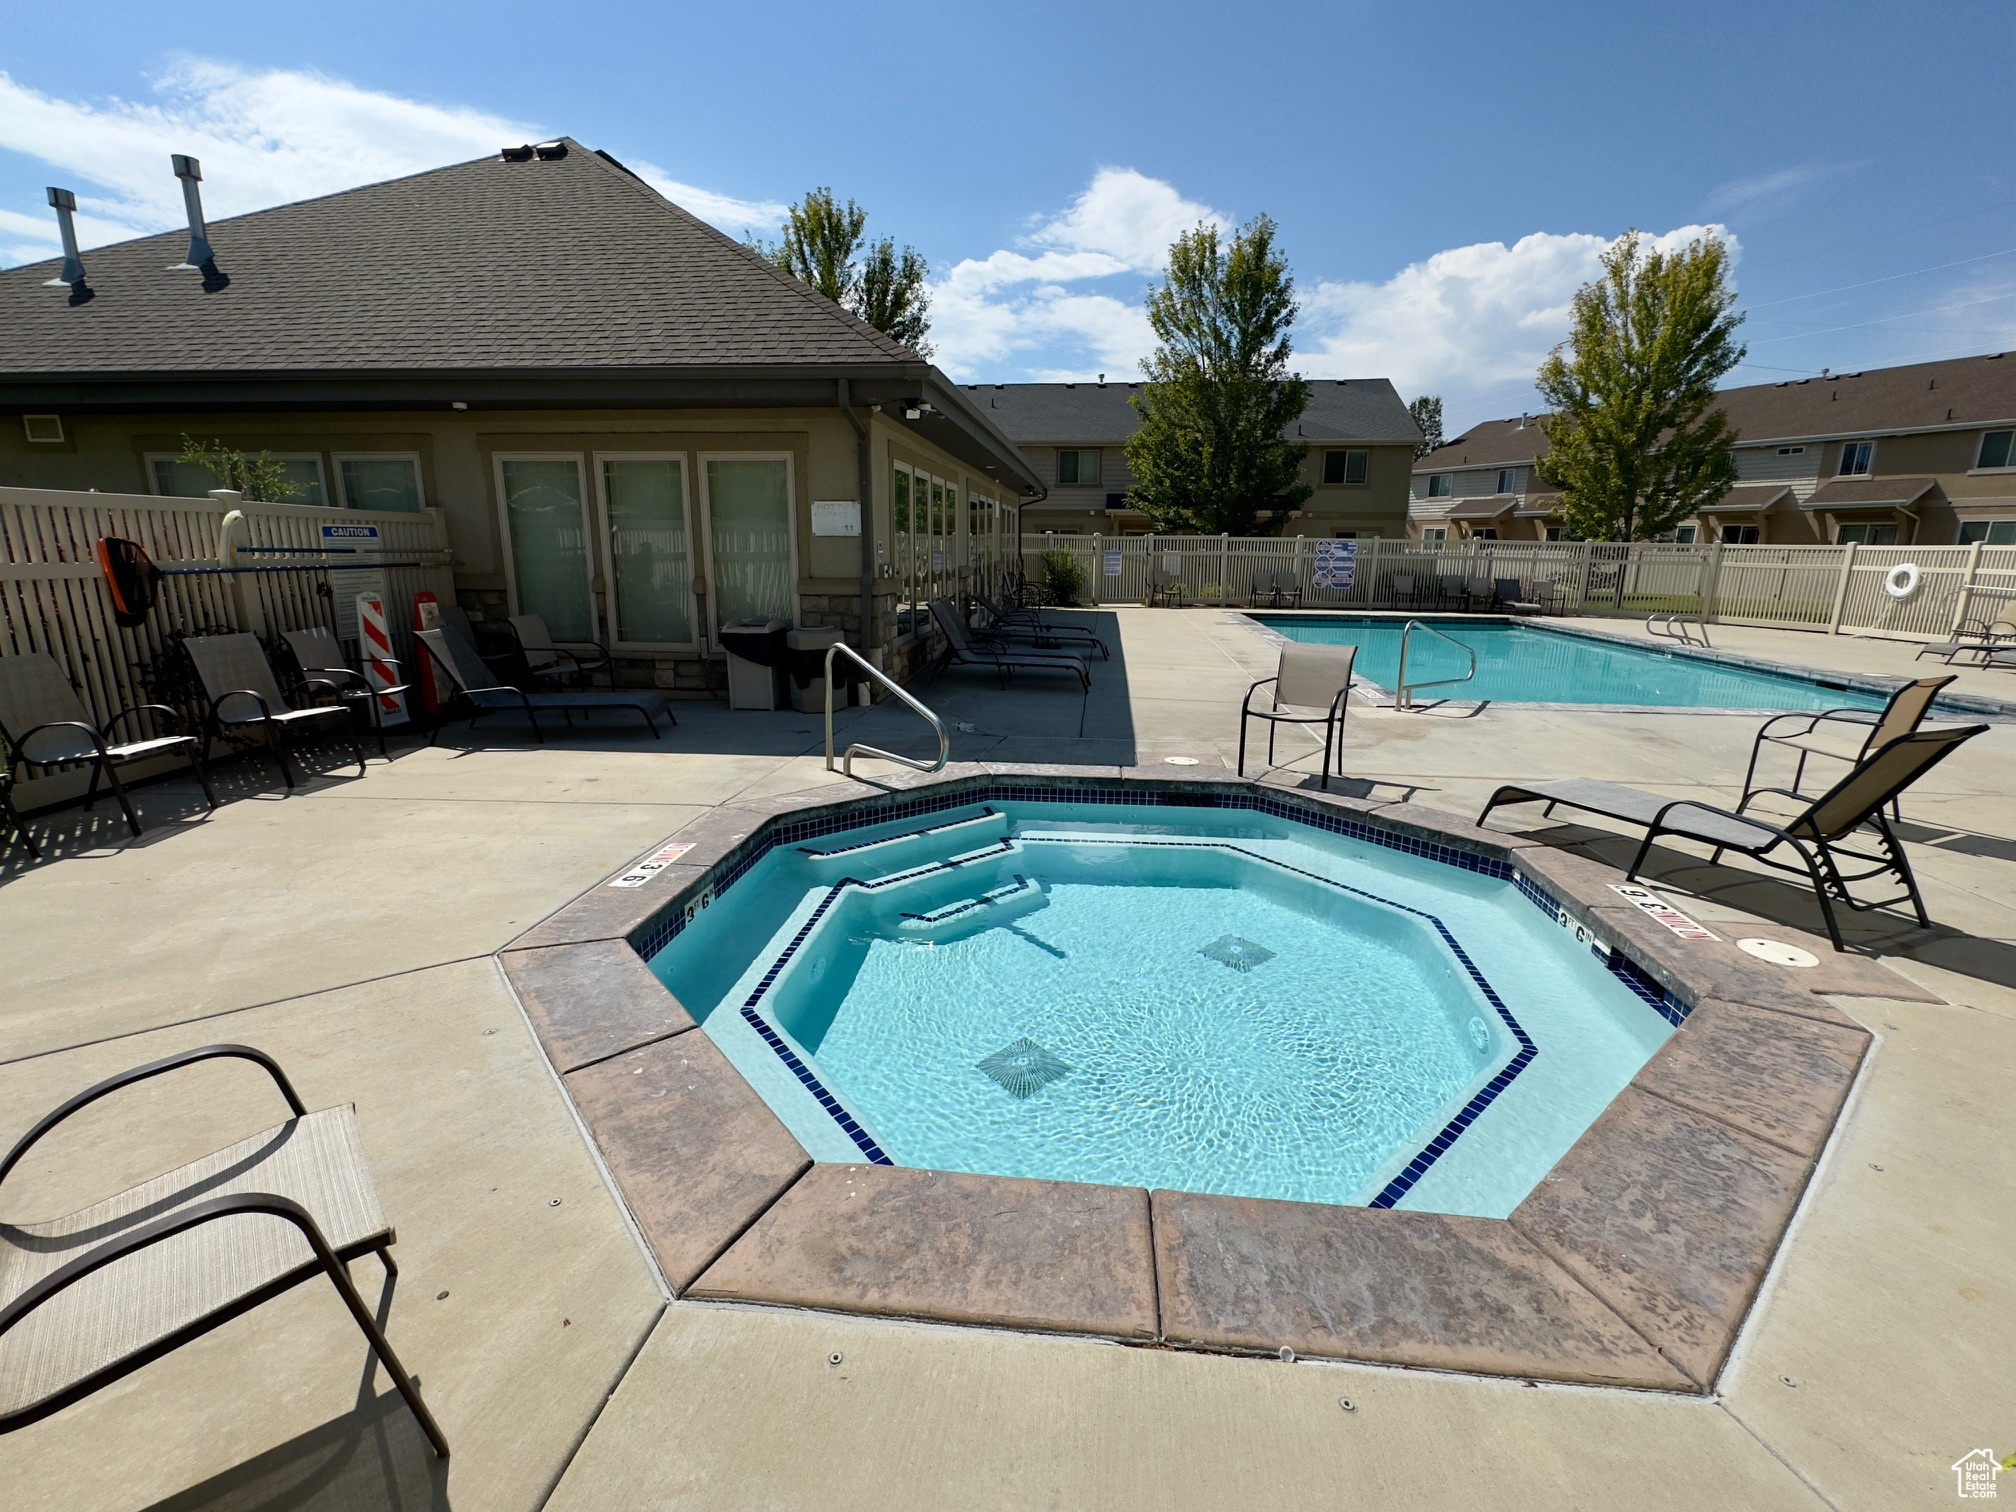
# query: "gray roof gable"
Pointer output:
{"type": "Point", "coordinates": [1099, 414]}
{"type": "Point", "coordinates": [567, 264]}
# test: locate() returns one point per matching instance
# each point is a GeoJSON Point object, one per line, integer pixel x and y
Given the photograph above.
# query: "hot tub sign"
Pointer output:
{"type": "Point", "coordinates": [1656, 907]}
{"type": "Point", "coordinates": [650, 866]}
{"type": "Point", "coordinates": [1336, 564]}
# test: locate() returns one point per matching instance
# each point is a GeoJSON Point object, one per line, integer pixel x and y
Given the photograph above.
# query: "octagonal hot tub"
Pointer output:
{"type": "Point", "coordinates": [1205, 999]}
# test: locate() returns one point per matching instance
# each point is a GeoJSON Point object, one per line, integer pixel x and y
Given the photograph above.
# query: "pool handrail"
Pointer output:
{"type": "Point", "coordinates": [1675, 626]}
{"type": "Point", "coordinates": [1403, 690]}
{"type": "Point", "coordinates": [877, 675]}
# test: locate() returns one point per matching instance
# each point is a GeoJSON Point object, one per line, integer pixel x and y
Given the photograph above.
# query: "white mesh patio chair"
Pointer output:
{"type": "Point", "coordinates": [89, 1298]}
{"type": "Point", "coordinates": [1311, 685]}
{"type": "Point", "coordinates": [320, 659]}
{"type": "Point", "coordinates": [43, 723]}
{"type": "Point", "coordinates": [243, 696]}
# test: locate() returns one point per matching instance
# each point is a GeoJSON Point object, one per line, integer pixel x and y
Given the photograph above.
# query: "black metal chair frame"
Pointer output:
{"type": "Point", "coordinates": [467, 695]}
{"type": "Point", "coordinates": [358, 689]}
{"type": "Point", "coordinates": [568, 665]}
{"type": "Point", "coordinates": [12, 816]}
{"type": "Point", "coordinates": [104, 762]}
{"type": "Point", "coordinates": [1029, 625]}
{"type": "Point", "coordinates": [331, 1262]}
{"type": "Point", "coordinates": [274, 730]}
{"type": "Point", "coordinates": [1332, 722]}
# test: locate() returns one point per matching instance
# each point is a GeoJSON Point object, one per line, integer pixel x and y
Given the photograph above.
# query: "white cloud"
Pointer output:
{"type": "Point", "coordinates": [717, 209]}
{"type": "Point", "coordinates": [265, 138]}
{"type": "Point", "coordinates": [1470, 319]}
{"type": "Point", "coordinates": [1772, 191]}
{"type": "Point", "coordinates": [985, 310]}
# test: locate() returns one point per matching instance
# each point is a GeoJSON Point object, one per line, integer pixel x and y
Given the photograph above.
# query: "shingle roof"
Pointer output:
{"type": "Point", "coordinates": [1098, 414]}
{"type": "Point", "coordinates": [1750, 498]}
{"type": "Point", "coordinates": [566, 264]}
{"type": "Point", "coordinates": [1486, 507]}
{"type": "Point", "coordinates": [1959, 392]}
{"type": "Point", "coordinates": [1870, 493]}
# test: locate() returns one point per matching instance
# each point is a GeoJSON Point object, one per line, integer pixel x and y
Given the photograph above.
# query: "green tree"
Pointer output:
{"type": "Point", "coordinates": [259, 477]}
{"type": "Point", "coordinates": [1427, 413]}
{"type": "Point", "coordinates": [1635, 442]}
{"type": "Point", "coordinates": [1211, 451]}
{"type": "Point", "coordinates": [825, 245]}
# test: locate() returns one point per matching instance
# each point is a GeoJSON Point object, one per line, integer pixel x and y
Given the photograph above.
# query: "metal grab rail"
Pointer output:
{"type": "Point", "coordinates": [847, 758]}
{"type": "Point", "coordinates": [1403, 691]}
{"type": "Point", "coordinates": [1675, 627]}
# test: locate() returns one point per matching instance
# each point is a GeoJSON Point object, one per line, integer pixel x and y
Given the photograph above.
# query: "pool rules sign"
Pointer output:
{"type": "Point", "coordinates": [1336, 564]}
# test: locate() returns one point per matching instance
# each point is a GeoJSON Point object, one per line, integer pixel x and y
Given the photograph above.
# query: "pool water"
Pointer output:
{"type": "Point", "coordinates": [1523, 663]}
{"type": "Point", "coordinates": [1208, 1000]}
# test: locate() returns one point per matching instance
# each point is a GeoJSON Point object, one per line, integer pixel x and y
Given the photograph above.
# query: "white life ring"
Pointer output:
{"type": "Point", "coordinates": [1901, 582]}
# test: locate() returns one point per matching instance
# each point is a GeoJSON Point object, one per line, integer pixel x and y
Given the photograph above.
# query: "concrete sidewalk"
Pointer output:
{"type": "Point", "coordinates": [348, 930]}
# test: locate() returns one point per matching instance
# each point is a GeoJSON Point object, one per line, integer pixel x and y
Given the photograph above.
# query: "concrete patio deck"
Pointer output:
{"type": "Point", "coordinates": [350, 931]}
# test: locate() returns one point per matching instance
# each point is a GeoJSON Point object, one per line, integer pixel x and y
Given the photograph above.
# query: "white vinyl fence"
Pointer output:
{"type": "Point", "coordinates": [1831, 588]}
{"type": "Point", "coordinates": [53, 596]}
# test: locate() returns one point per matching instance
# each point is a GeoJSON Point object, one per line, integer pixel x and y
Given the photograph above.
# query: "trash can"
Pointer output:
{"type": "Point", "coordinates": [755, 663]}
{"type": "Point", "coordinates": [806, 657]}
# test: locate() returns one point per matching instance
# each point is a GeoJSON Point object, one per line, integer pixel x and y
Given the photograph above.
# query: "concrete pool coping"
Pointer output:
{"type": "Point", "coordinates": [1632, 1264]}
{"type": "Point", "coordinates": [1871, 684]}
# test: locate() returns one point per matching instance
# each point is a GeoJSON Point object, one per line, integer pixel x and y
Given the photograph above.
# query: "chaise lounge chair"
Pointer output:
{"type": "Point", "coordinates": [321, 660]}
{"type": "Point", "coordinates": [1316, 678]}
{"type": "Point", "coordinates": [87, 1299]}
{"type": "Point", "coordinates": [1816, 834]}
{"type": "Point", "coordinates": [1029, 624]}
{"type": "Point", "coordinates": [562, 662]}
{"type": "Point", "coordinates": [961, 651]}
{"type": "Point", "coordinates": [43, 723]}
{"type": "Point", "coordinates": [1985, 639]}
{"type": "Point", "coordinates": [1505, 596]}
{"type": "Point", "coordinates": [472, 675]}
{"type": "Point", "coordinates": [239, 686]}
{"type": "Point", "coordinates": [1845, 734]}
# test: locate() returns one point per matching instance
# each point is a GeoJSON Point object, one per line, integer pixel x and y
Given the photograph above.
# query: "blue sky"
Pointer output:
{"type": "Point", "coordinates": [1444, 174]}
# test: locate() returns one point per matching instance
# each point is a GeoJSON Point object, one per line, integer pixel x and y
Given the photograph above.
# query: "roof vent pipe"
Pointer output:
{"type": "Point", "coordinates": [201, 259]}
{"type": "Point", "coordinates": [72, 276]}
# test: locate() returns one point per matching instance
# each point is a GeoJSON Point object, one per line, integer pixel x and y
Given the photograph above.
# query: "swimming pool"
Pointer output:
{"type": "Point", "coordinates": [1209, 999]}
{"type": "Point", "coordinates": [1525, 663]}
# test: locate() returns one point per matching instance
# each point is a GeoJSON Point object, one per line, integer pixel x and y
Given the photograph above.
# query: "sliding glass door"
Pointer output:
{"type": "Point", "coordinates": [546, 535]}
{"type": "Point", "coordinates": [647, 526]}
{"type": "Point", "coordinates": [752, 556]}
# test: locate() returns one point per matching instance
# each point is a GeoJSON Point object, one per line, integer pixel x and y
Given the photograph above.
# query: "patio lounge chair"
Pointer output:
{"type": "Point", "coordinates": [1452, 591]}
{"type": "Point", "coordinates": [1479, 593]}
{"type": "Point", "coordinates": [564, 662]}
{"type": "Point", "coordinates": [1166, 584]}
{"type": "Point", "coordinates": [1030, 624]}
{"type": "Point", "coordinates": [1816, 834]}
{"type": "Point", "coordinates": [961, 651]}
{"type": "Point", "coordinates": [1980, 638]}
{"type": "Point", "coordinates": [321, 659]}
{"type": "Point", "coordinates": [1314, 678]}
{"type": "Point", "coordinates": [87, 1299]}
{"type": "Point", "coordinates": [43, 723]}
{"type": "Point", "coordinates": [238, 684]}
{"type": "Point", "coordinates": [1845, 734]}
{"type": "Point", "coordinates": [1405, 592]}
{"type": "Point", "coordinates": [1505, 596]}
{"type": "Point", "coordinates": [472, 675]}
{"type": "Point", "coordinates": [1286, 595]}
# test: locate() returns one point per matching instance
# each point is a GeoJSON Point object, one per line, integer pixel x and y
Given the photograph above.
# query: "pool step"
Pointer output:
{"type": "Point", "coordinates": [891, 854]}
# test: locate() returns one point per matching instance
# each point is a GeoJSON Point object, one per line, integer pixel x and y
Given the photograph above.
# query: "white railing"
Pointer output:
{"type": "Point", "coordinates": [53, 596]}
{"type": "Point", "coordinates": [1830, 588]}
{"type": "Point", "coordinates": [1403, 687]}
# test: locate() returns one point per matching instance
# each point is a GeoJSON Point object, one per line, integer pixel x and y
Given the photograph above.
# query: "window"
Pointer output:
{"type": "Point", "coordinates": [187, 480]}
{"type": "Point", "coordinates": [1508, 480]}
{"type": "Point", "coordinates": [1740, 535]}
{"type": "Point", "coordinates": [1116, 501]}
{"type": "Point", "coordinates": [1437, 536]}
{"type": "Point", "coordinates": [1791, 451]}
{"type": "Point", "coordinates": [1686, 535]}
{"type": "Point", "coordinates": [650, 549]}
{"type": "Point", "coordinates": [1485, 533]}
{"type": "Point", "coordinates": [383, 482]}
{"type": "Point", "coordinates": [1994, 449]}
{"type": "Point", "coordinates": [1080, 467]}
{"type": "Point", "coordinates": [1866, 534]}
{"type": "Point", "coordinates": [1441, 485]}
{"type": "Point", "coordinates": [546, 538]}
{"type": "Point", "coordinates": [1988, 532]}
{"type": "Point", "coordinates": [43, 428]}
{"type": "Point", "coordinates": [1350, 467]}
{"type": "Point", "coordinates": [1855, 458]}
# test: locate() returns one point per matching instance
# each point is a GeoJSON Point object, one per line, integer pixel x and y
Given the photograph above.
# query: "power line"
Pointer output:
{"type": "Point", "coordinates": [1892, 278]}
{"type": "Point", "coordinates": [1885, 320]}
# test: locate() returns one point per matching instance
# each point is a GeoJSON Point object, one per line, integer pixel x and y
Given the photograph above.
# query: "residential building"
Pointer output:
{"type": "Point", "coordinates": [1360, 437]}
{"type": "Point", "coordinates": [624, 415]}
{"type": "Point", "coordinates": [1923, 454]}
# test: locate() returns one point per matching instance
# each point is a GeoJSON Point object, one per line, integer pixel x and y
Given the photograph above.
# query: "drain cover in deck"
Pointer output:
{"type": "Point", "coordinates": [1023, 1068]}
{"type": "Point", "coordinates": [1237, 952]}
